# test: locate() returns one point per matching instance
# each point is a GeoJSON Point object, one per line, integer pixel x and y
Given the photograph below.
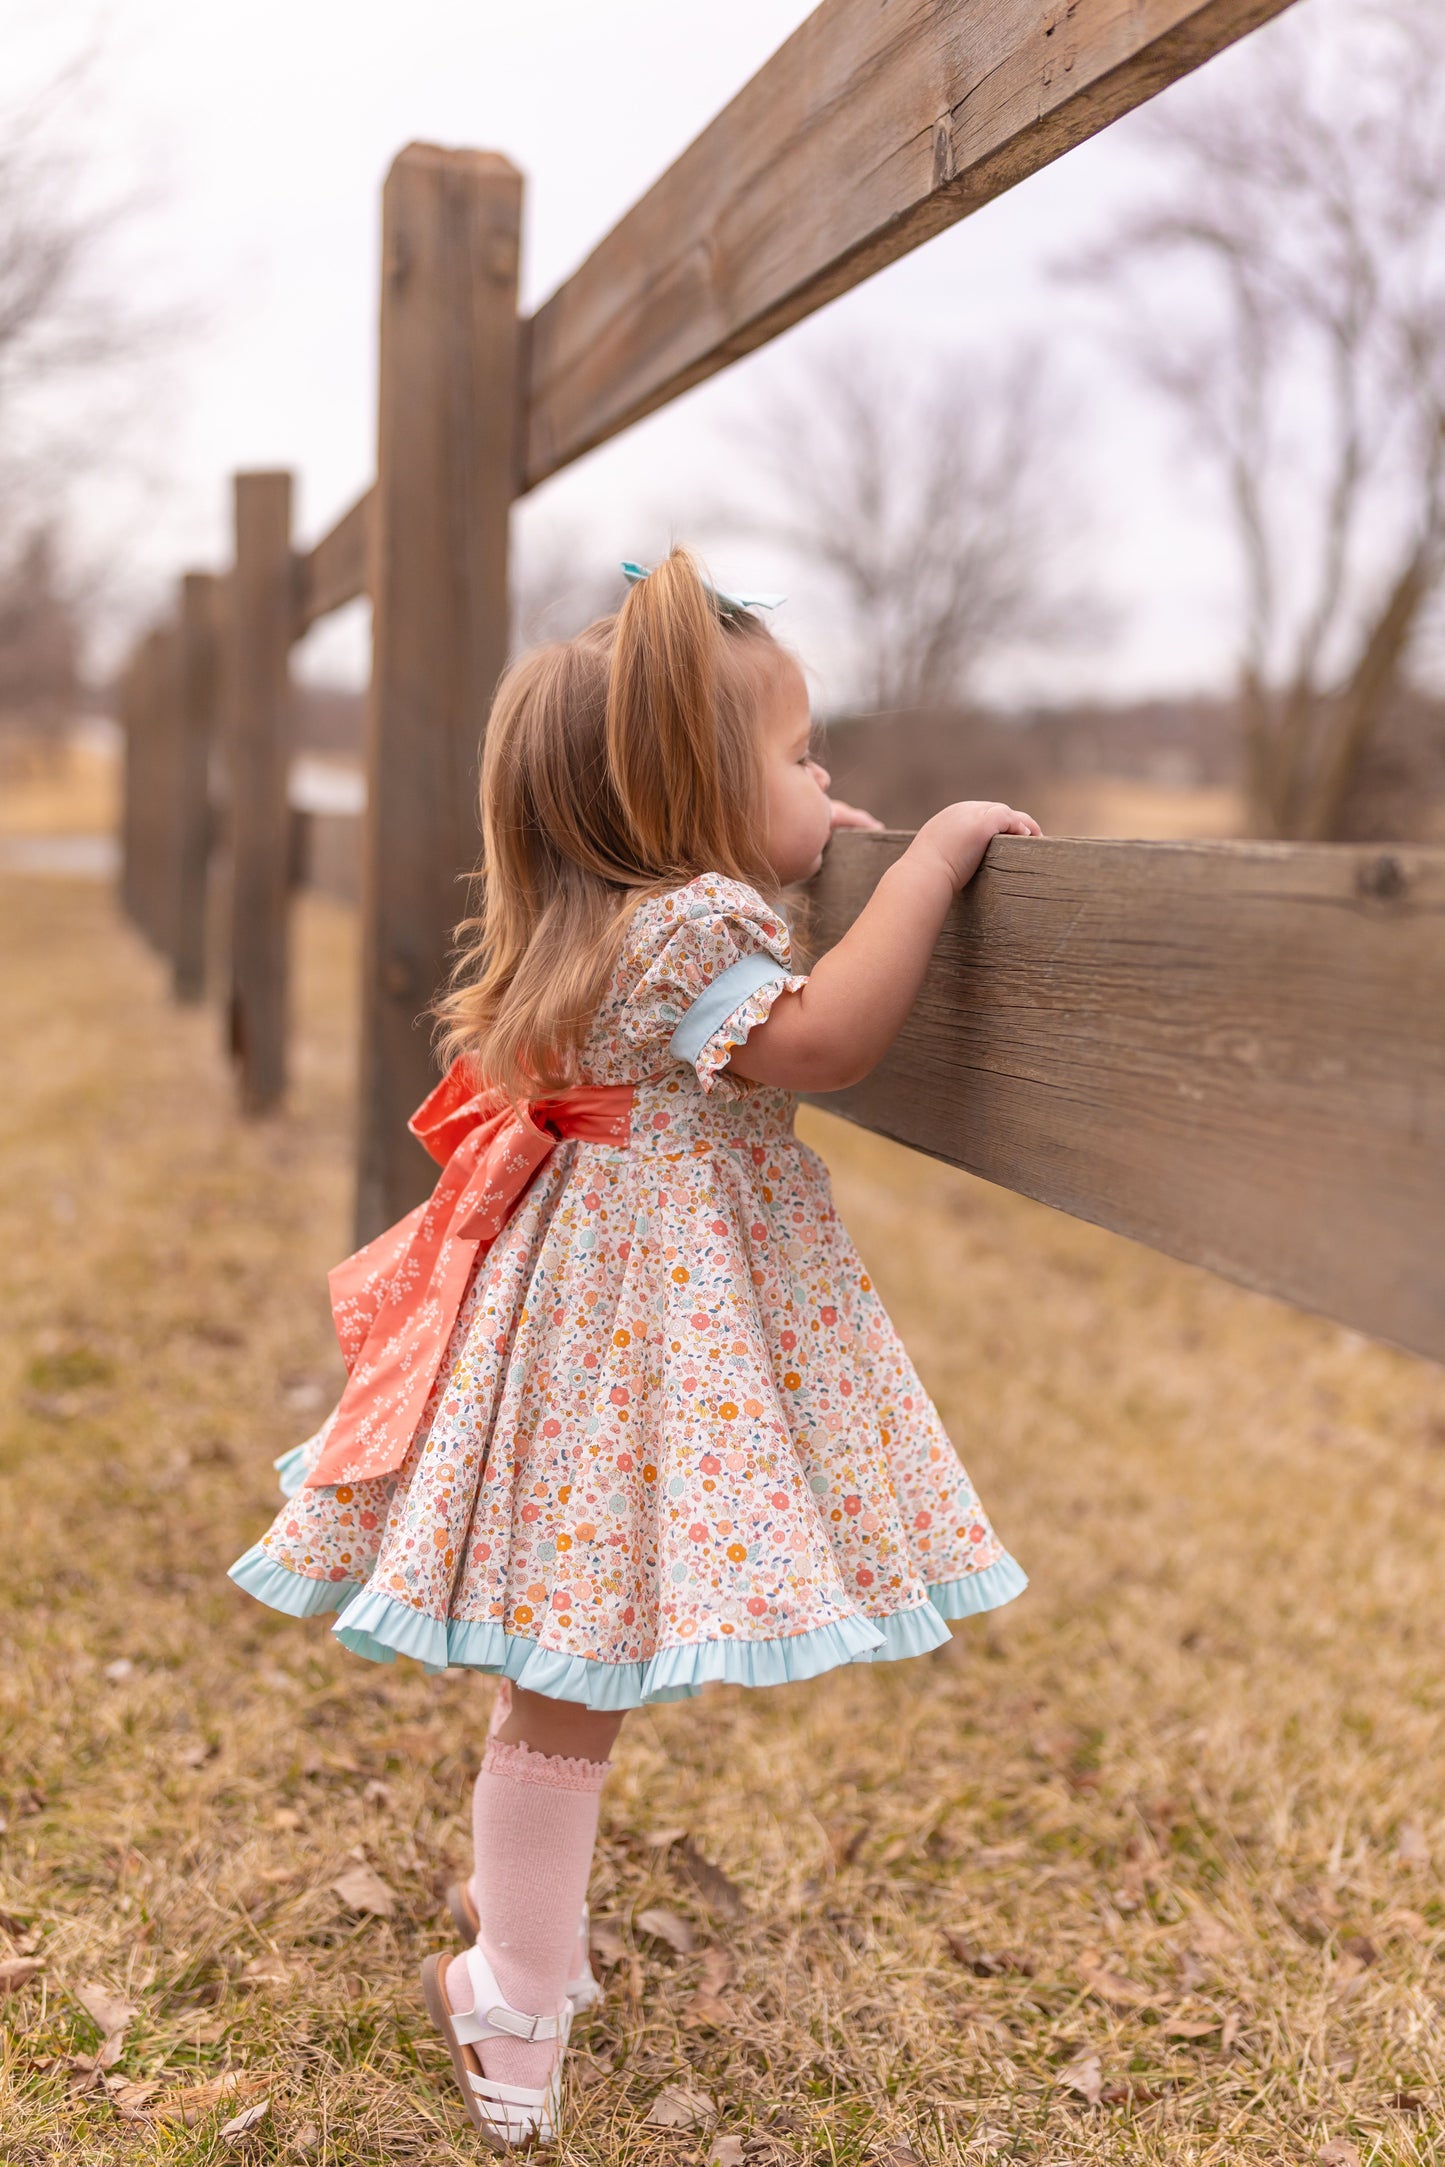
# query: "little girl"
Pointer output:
{"type": "Point", "coordinates": [625, 1414]}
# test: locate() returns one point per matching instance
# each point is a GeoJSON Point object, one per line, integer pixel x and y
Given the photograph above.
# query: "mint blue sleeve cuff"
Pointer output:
{"type": "Point", "coordinates": [716, 1002]}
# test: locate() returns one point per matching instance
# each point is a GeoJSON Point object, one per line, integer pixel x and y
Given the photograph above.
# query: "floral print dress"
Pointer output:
{"type": "Point", "coordinates": [674, 1437]}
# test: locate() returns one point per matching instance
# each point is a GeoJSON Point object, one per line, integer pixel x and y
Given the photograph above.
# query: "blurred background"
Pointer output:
{"type": "Point", "coordinates": [1124, 499]}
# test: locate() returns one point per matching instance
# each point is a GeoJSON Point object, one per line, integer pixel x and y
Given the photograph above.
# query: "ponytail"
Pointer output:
{"type": "Point", "coordinates": [681, 732]}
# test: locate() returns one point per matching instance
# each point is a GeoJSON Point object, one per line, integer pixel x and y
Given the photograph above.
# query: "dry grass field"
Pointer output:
{"type": "Point", "coordinates": [1145, 1869]}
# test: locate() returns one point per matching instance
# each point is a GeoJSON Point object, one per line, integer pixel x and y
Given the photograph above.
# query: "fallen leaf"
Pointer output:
{"type": "Point", "coordinates": [286, 1818]}
{"type": "Point", "coordinates": [129, 2099]}
{"type": "Point", "coordinates": [1339, 2154]}
{"type": "Point", "coordinates": [1361, 1946]}
{"type": "Point", "coordinates": [1128, 2095]}
{"type": "Point", "coordinates": [307, 2138]}
{"type": "Point", "coordinates": [1230, 2033]}
{"type": "Point", "coordinates": [983, 1963]}
{"type": "Point", "coordinates": [119, 1670]}
{"type": "Point", "coordinates": [726, 2152]}
{"type": "Point", "coordinates": [846, 1841]}
{"type": "Point", "coordinates": [1211, 1937]}
{"type": "Point", "coordinates": [1192, 2027]}
{"type": "Point", "coordinates": [248, 2119]}
{"type": "Point", "coordinates": [707, 2009]}
{"type": "Point", "coordinates": [1110, 1986]}
{"type": "Point", "coordinates": [717, 1969]}
{"type": "Point", "coordinates": [608, 1943]}
{"type": "Point", "coordinates": [1411, 1848]}
{"type": "Point", "coordinates": [663, 1839]}
{"type": "Point", "coordinates": [1405, 2102]}
{"type": "Point", "coordinates": [198, 2100]}
{"type": "Point", "coordinates": [363, 1890]}
{"type": "Point", "coordinates": [1086, 2077]}
{"type": "Point", "coordinates": [707, 2012]}
{"type": "Point", "coordinates": [898, 2155]}
{"type": "Point", "coordinates": [675, 2107]}
{"type": "Point", "coordinates": [667, 1926]}
{"type": "Point", "coordinates": [111, 2014]}
{"type": "Point", "coordinates": [712, 1884]}
{"type": "Point", "coordinates": [18, 1971]}
{"type": "Point", "coordinates": [377, 1793]}
{"type": "Point", "coordinates": [197, 1754]}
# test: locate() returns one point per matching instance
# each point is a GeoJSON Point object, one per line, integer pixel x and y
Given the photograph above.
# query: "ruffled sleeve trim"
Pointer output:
{"type": "Point", "coordinates": [722, 1018]}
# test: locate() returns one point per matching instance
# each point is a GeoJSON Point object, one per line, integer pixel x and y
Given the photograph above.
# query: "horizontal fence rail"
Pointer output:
{"type": "Point", "coordinates": [877, 124]}
{"type": "Point", "coordinates": [1234, 1052]}
{"type": "Point", "coordinates": [338, 569]}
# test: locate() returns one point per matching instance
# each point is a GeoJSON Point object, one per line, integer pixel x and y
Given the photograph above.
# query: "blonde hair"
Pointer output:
{"type": "Point", "coordinates": [618, 764]}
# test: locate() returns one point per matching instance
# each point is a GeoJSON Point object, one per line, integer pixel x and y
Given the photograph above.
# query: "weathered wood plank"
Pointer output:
{"type": "Point", "coordinates": [446, 469]}
{"type": "Point", "coordinates": [258, 728]}
{"type": "Point", "coordinates": [1234, 1052]}
{"type": "Point", "coordinates": [877, 124]}
{"type": "Point", "coordinates": [134, 712]}
{"type": "Point", "coordinates": [338, 569]}
{"type": "Point", "coordinates": [197, 691]}
{"type": "Point", "coordinates": [147, 883]}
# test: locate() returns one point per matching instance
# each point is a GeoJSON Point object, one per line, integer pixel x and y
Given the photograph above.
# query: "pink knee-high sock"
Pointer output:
{"type": "Point", "coordinates": [534, 1825]}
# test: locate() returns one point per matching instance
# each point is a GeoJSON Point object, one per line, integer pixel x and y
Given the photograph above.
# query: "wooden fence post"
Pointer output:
{"type": "Point", "coordinates": [258, 748]}
{"type": "Point", "coordinates": [131, 708]}
{"type": "Point", "coordinates": [197, 688]}
{"type": "Point", "coordinates": [145, 788]}
{"type": "Point", "coordinates": [447, 454]}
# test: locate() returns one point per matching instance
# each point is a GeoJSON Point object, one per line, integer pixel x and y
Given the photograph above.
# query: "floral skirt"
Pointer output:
{"type": "Point", "coordinates": [675, 1439]}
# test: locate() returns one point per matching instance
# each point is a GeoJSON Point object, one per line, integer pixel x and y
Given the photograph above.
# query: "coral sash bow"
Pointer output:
{"type": "Point", "coordinates": [395, 1302]}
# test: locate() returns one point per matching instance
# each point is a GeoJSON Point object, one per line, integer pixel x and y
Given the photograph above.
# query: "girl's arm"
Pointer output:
{"type": "Point", "coordinates": [858, 995]}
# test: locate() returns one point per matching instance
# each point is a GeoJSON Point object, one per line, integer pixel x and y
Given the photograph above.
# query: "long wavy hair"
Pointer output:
{"type": "Point", "coordinates": [618, 764]}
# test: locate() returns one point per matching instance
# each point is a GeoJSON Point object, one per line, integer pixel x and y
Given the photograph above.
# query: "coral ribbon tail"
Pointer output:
{"type": "Point", "coordinates": [396, 1301]}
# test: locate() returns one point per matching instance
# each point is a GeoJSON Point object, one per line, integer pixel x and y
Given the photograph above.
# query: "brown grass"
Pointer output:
{"type": "Point", "coordinates": [1193, 1778]}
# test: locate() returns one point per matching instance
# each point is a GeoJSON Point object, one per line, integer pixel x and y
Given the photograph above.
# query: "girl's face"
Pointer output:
{"type": "Point", "coordinates": [797, 815]}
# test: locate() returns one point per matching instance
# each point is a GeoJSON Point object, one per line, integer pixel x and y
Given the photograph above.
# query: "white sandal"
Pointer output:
{"type": "Point", "coordinates": [583, 1988]}
{"type": "Point", "coordinates": [507, 2116]}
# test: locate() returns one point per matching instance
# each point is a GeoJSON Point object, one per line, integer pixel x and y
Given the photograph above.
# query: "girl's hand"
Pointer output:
{"type": "Point", "coordinates": [957, 837]}
{"type": "Point", "coordinates": [851, 816]}
{"type": "Point", "coordinates": [832, 1031]}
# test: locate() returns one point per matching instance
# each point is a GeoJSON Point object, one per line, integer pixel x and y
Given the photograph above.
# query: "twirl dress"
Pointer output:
{"type": "Point", "coordinates": [674, 1437]}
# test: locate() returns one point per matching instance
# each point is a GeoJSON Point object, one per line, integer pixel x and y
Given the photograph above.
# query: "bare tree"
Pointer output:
{"type": "Point", "coordinates": [1286, 294]}
{"type": "Point", "coordinates": [70, 348]}
{"type": "Point", "coordinates": [928, 498]}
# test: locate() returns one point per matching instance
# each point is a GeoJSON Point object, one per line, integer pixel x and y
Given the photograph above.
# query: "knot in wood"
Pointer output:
{"type": "Point", "coordinates": [1382, 878]}
{"type": "Point", "coordinates": [399, 976]}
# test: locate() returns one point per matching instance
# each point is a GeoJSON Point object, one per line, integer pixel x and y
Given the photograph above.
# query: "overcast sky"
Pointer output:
{"type": "Point", "coordinates": [257, 135]}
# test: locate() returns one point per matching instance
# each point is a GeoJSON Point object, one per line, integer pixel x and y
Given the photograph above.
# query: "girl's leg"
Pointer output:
{"type": "Point", "coordinates": [557, 1726]}
{"type": "Point", "coordinates": [534, 1825]}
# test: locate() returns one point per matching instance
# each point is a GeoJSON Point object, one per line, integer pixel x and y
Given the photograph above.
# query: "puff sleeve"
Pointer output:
{"type": "Point", "coordinates": [715, 958]}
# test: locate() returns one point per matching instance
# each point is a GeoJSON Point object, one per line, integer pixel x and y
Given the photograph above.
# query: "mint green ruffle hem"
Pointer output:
{"type": "Point", "coordinates": [378, 1627]}
{"type": "Point", "coordinates": [289, 1471]}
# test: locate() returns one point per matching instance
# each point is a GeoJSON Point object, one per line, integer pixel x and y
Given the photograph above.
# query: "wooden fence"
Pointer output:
{"type": "Point", "coordinates": [1233, 1052]}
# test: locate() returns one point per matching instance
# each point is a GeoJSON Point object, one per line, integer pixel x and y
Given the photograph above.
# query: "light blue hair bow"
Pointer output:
{"type": "Point", "coordinates": [731, 605]}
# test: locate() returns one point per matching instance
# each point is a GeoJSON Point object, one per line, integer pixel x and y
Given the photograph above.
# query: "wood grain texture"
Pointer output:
{"type": "Point", "coordinates": [258, 729]}
{"type": "Point", "coordinates": [142, 884]}
{"type": "Point", "coordinates": [877, 124]}
{"type": "Point", "coordinates": [1234, 1052]}
{"type": "Point", "coordinates": [197, 693]}
{"type": "Point", "coordinates": [446, 469]}
{"type": "Point", "coordinates": [338, 569]}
